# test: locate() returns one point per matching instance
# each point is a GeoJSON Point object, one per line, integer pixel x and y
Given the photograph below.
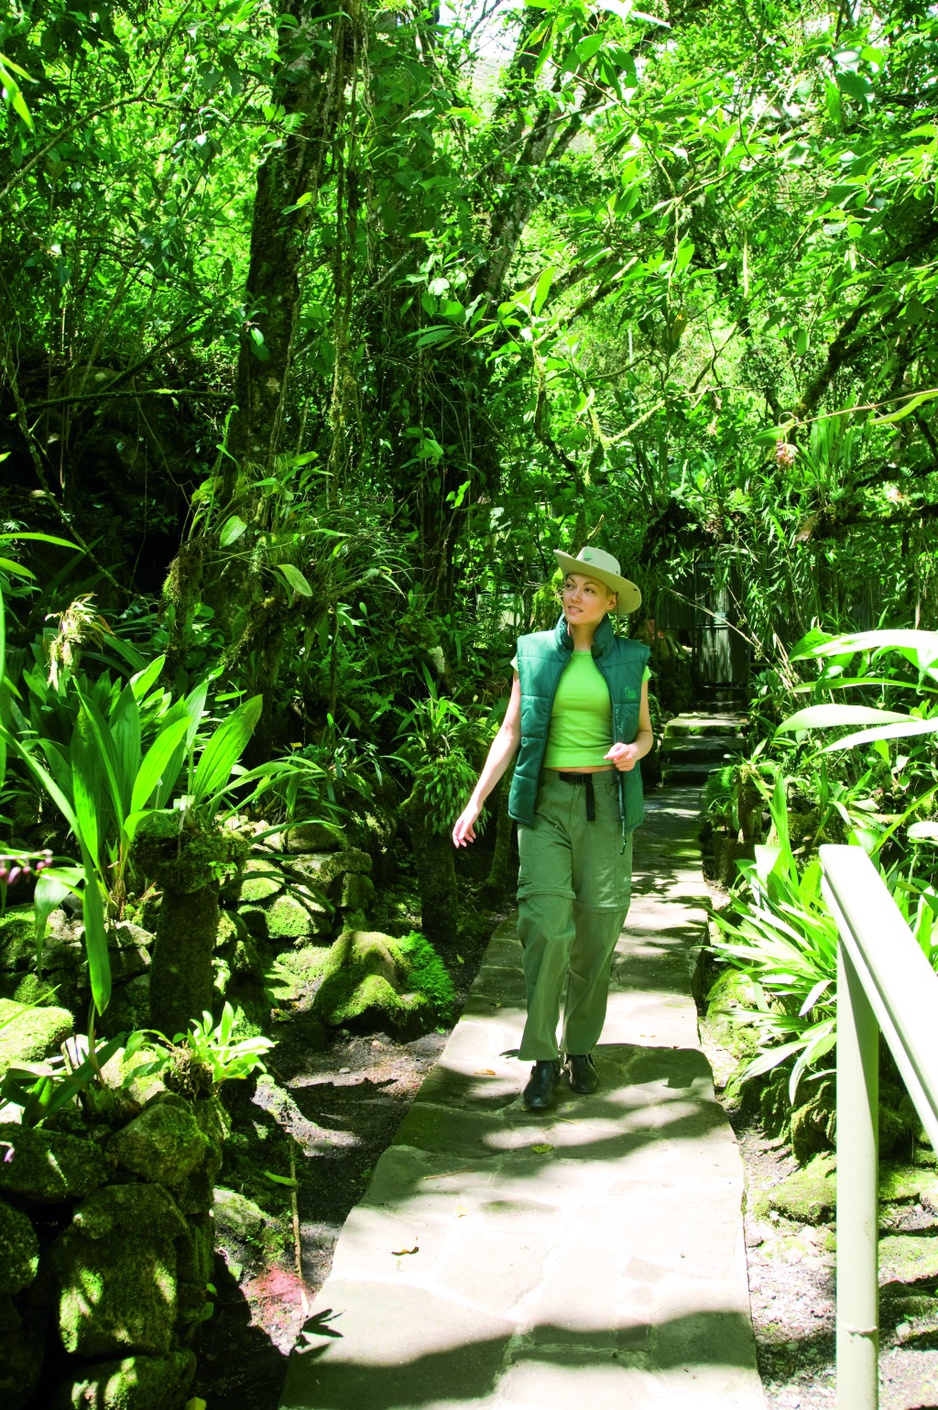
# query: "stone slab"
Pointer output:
{"type": "Point", "coordinates": [592, 1255]}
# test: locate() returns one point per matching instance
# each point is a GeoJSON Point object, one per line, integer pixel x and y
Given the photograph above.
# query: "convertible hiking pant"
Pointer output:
{"type": "Point", "coordinates": [574, 888]}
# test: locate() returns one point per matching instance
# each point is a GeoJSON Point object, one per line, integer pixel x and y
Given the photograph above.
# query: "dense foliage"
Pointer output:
{"type": "Point", "coordinates": [324, 324]}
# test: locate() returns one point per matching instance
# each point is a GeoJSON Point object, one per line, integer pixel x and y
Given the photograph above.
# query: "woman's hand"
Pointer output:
{"type": "Point", "coordinates": [624, 756]}
{"type": "Point", "coordinates": [464, 829]}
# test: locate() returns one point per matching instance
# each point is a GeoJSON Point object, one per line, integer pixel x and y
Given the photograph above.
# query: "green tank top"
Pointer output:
{"type": "Point", "coordinates": [581, 721]}
{"type": "Point", "coordinates": [580, 734]}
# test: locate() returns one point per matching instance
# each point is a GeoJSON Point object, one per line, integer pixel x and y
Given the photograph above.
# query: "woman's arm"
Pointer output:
{"type": "Point", "coordinates": [503, 749]}
{"type": "Point", "coordinates": [626, 756]}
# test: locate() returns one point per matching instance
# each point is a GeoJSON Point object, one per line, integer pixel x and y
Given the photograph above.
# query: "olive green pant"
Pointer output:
{"type": "Point", "coordinates": [574, 888]}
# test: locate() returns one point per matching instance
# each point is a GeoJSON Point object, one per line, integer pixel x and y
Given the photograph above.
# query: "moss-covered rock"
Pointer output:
{"type": "Point", "coordinates": [132, 1207]}
{"type": "Point", "coordinates": [366, 983]}
{"type": "Point", "coordinates": [295, 974]}
{"type": "Point", "coordinates": [358, 892]}
{"type": "Point", "coordinates": [31, 1034]}
{"type": "Point", "coordinates": [17, 938]}
{"type": "Point", "coordinates": [314, 837]}
{"type": "Point", "coordinates": [134, 1383]}
{"type": "Point", "coordinates": [231, 928]}
{"type": "Point", "coordinates": [908, 1184]}
{"type": "Point", "coordinates": [261, 884]}
{"type": "Point", "coordinates": [295, 916]}
{"type": "Point", "coordinates": [115, 1294]}
{"type": "Point", "coordinates": [19, 1250]}
{"type": "Point", "coordinates": [49, 1165]}
{"type": "Point", "coordinates": [325, 871]}
{"type": "Point", "coordinates": [908, 1258]}
{"type": "Point", "coordinates": [243, 1231]}
{"type": "Point", "coordinates": [810, 1195]}
{"type": "Point", "coordinates": [731, 999]}
{"type": "Point", "coordinates": [164, 1143]}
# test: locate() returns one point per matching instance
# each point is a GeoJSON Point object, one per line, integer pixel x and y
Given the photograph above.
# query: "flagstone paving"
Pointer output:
{"type": "Point", "coordinates": [591, 1257]}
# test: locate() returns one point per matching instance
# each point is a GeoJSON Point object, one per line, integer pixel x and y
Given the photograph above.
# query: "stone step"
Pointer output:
{"type": "Point", "coordinates": [697, 723]}
{"type": "Point", "coordinates": [690, 774]}
{"type": "Point", "coordinates": [702, 747]}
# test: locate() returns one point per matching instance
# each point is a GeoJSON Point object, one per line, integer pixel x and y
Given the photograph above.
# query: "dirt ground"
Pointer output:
{"type": "Point", "coordinates": [342, 1107]}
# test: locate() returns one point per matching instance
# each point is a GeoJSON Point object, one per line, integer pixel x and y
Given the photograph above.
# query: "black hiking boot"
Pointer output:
{"type": "Point", "coordinates": [539, 1093]}
{"type": "Point", "coordinates": [582, 1072]}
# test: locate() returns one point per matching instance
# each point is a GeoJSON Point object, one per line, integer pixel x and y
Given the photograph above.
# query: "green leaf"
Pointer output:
{"type": "Point", "coordinates": [294, 578]}
{"type": "Point", "coordinates": [143, 680]}
{"type": "Point", "coordinates": [52, 887]}
{"type": "Point", "coordinates": [542, 287]}
{"type": "Point", "coordinates": [225, 747]}
{"type": "Point", "coordinates": [231, 531]}
{"type": "Point", "coordinates": [831, 716]}
{"type": "Point", "coordinates": [906, 409]}
{"type": "Point", "coordinates": [155, 764]}
{"type": "Point", "coordinates": [906, 730]}
{"type": "Point", "coordinates": [99, 961]}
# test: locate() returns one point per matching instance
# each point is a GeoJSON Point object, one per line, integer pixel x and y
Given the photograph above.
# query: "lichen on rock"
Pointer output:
{"type": "Point", "coordinates": [19, 1250]}
{"type": "Point", "coordinates": [29, 1034]}
{"type": "Point", "coordinates": [809, 1195]}
{"type": "Point", "coordinates": [133, 1383]}
{"type": "Point", "coordinates": [47, 1166]}
{"type": "Point", "coordinates": [368, 982]}
{"type": "Point", "coordinates": [164, 1143]}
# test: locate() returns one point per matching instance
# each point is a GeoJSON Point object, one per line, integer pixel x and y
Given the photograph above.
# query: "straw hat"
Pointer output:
{"type": "Point", "coordinates": [594, 563]}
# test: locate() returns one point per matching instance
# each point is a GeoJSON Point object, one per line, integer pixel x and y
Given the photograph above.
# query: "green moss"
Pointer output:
{"type": "Point", "coordinates": [366, 974]}
{"type": "Point", "coordinates": [29, 1034]}
{"type": "Point", "coordinates": [289, 918]}
{"type": "Point", "coordinates": [292, 975]}
{"type": "Point", "coordinates": [908, 1258]}
{"type": "Point", "coordinates": [810, 1195]}
{"type": "Point", "coordinates": [428, 974]}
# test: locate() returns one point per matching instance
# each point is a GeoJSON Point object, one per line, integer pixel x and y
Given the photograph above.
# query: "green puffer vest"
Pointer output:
{"type": "Point", "coordinates": [542, 657]}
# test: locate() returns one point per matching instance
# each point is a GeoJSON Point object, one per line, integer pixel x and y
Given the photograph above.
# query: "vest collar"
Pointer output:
{"type": "Point", "coordinates": [602, 643]}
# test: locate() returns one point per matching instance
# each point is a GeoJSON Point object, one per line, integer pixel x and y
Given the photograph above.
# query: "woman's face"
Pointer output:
{"type": "Point", "coordinates": [585, 601]}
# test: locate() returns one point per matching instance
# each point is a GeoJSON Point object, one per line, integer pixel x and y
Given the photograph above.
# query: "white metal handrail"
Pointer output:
{"type": "Point", "coordinates": [884, 983]}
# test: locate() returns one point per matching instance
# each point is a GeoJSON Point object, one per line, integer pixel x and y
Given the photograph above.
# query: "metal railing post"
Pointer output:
{"type": "Point", "coordinates": [857, 1195]}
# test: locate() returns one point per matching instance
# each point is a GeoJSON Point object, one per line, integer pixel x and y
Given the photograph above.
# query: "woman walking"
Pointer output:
{"type": "Point", "coordinates": [579, 713]}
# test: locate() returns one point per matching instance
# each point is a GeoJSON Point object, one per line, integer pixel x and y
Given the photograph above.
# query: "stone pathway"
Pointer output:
{"type": "Point", "coordinates": [592, 1257]}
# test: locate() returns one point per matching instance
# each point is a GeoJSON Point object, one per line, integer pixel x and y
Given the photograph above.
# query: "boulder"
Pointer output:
{"type": "Point", "coordinates": [325, 870]}
{"type": "Point", "coordinates": [116, 1294]}
{"type": "Point", "coordinates": [164, 1143]}
{"type": "Point", "coordinates": [134, 1383]}
{"type": "Point", "coordinates": [314, 837]}
{"type": "Point", "coordinates": [30, 1034]}
{"type": "Point", "coordinates": [129, 1007]}
{"type": "Point", "coordinates": [810, 1195]}
{"type": "Point", "coordinates": [295, 916]}
{"type": "Point", "coordinates": [19, 1250]}
{"type": "Point", "coordinates": [130, 1208]}
{"type": "Point", "coordinates": [17, 938]}
{"type": "Point", "coordinates": [908, 1258]}
{"type": "Point", "coordinates": [365, 985]}
{"type": "Point", "coordinates": [358, 892]}
{"type": "Point", "coordinates": [231, 928]}
{"type": "Point", "coordinates": [49, 1165]}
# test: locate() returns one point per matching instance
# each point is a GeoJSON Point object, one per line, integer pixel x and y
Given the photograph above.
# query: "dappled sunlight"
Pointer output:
{"type": "Point", "coordinates": [589, 1254]}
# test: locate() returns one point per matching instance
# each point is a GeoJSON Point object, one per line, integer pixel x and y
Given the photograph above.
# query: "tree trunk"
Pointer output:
{"type": "Point", "coordinates": [181, 978]}
{"type": "Point", "coordinates": [310, 87]}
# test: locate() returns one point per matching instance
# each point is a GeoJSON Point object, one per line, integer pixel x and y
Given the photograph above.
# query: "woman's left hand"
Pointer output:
{"type": "Point", "coordinates": [624, 756]}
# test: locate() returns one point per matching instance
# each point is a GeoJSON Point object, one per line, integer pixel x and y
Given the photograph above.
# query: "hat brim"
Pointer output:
{"type": "Point", "coordinates": [629, 599]}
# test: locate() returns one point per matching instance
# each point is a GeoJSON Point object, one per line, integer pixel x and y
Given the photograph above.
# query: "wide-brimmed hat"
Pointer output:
{"type": "Point", "coordinates": [594, 563]}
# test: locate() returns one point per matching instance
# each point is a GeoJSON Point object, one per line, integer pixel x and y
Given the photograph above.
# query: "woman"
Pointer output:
{"type": "Point", "coordinates": [577, 690]}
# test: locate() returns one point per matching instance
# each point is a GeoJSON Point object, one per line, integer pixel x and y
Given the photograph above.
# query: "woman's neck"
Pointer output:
{"type": "Point", "coordinates": [583, 635]}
